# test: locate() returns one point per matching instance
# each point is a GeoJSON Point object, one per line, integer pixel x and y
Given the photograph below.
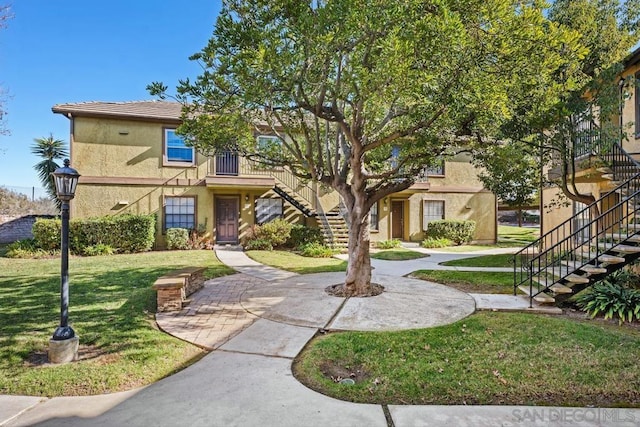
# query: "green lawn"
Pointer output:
{"type": "Point", "coordinates": [483, 282]}
{"type": "Point", "coordinates": [485, 359]}
{"type": "Point", "coordinates": [398, 254]}
{"type": "Point", "coordinates": [111, 308]}
{"type": "Point", "coordinates": [501, 260]}
{"type": "Point", "coordinates": [290, 261]}
{"type": "Point", "coordinates": [519, 234]}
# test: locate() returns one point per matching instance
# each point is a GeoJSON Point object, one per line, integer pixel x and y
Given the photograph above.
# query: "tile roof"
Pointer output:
{"type": "Point", "coordinates": [146, 110]}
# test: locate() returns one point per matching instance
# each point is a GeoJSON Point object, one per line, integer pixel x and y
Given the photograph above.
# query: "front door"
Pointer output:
{"type": "Point", "coordinates": [397, 219]}
{"type": "Point", "coordinates": [227, 219]}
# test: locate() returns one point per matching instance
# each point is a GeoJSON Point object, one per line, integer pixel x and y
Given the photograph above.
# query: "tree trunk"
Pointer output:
{"type": "Point", "coordinates": [519, 217]}
{"type": "Point", "coordinates": [358, 280]}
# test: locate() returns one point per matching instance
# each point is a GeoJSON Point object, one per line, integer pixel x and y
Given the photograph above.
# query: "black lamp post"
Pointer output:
{"type": "Point", "coordinates": [66, 180]}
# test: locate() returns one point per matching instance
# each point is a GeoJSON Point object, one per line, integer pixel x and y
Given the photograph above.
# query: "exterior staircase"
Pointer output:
{"type": "Point", "coordinates": [334, 228]}
{"type": "Point", "coordinates": [598, 240]}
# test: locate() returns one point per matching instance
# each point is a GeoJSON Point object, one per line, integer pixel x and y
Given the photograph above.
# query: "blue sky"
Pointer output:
{"type": "Point", "coordinates": [73, 51]}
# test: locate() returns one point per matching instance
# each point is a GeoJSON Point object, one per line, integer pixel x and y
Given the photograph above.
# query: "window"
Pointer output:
{"type": "Point", "coordinates": [432, 210]}
{"type": "Point", "coordinates": [180, 212]}
{"type": "Point", "coordinates": [437, 169]}
{"type": "Point", "coordinates": [373, 217]}
{"type": "Point", "coordinates": [268, 209]}
{"type": "Point", "coordinates": [175, 149]}
{"type": "Point", "coordinates": [636, 102]}
{"type": "Point", "coordinates": [270, 146]}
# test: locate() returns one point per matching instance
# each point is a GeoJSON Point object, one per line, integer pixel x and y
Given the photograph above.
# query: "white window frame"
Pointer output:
{"type": "Point", "coordinates": [170, 134]}
{"type": "Point", "coordinates": [429, 215]}
{"type": "Point", "coordinates": [179, 206]}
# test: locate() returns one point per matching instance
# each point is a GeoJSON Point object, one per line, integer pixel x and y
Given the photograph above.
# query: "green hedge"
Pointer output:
{"type": "Point", "coordinates": [123, 233]}
{"type": "Point", "coordinates": [458, 231]}
{"type": "Point", "coordinates": [177, 238]}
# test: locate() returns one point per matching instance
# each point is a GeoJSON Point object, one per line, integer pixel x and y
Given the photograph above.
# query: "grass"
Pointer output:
{"type": "Point", "coordinates": [290, 261]}
{"type": "Point", "coordinates": [485, 359]}
{"type": "Point", "coordinates": [500, 260]}
{"type": "Point", "coordinates": [399, 254]}
{"type": "Point", "coordinates": [483, 282]}
{"type": "Point", "coordinates": [111, 308]}
{"type": "Point", "coordinates": [519, 234]}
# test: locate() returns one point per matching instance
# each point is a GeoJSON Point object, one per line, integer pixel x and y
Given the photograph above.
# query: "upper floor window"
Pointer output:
{"type": "Point", "coordinates": [180, 212]}
{"type": "Point", "coordinates": [636, 102]}
{"type": "Point", "coordinates": [270, 146]}
{"type": "Point", "coordinates": [437, 169]}
{"type": "Point", "coordinates": [175, 149]}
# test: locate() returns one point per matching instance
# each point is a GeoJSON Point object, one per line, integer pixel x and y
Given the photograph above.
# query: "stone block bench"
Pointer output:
{"type": "Point", "coordinates": [174, 288]}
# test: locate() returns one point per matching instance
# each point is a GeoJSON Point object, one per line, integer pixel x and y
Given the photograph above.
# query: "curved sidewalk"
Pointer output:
{"type": "Point", "coordinates": [258, 325]}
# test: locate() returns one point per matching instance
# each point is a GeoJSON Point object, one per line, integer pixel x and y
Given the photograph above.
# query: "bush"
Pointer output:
{"type": "Point", "coordinates": [123, 233]}
{"type": "Point", "coordinates": [258, 245]}
{"type": "Point", "coordinates": [612, 297]}
{"type": "Point", "coordinates": [27, 248]}
{"type": "Point", "coordinates": [277, 232]}
{"type": "Point", "coordinates": [301, 234]}
{"type": "Point", "coordinates": [46, 233]}
{"type": "Point", "coordinates": [98, 249]}
{"type": "Point", "coordinates": [388, 244]}
{"type": "Point", "coordinates": [315, 250]}
{"type": "Point", "coordinates": [177, 238]}
{"type": "Point", "coordinates": [430, 242]}
{"type": "Point", "coordinates": [458, 231]}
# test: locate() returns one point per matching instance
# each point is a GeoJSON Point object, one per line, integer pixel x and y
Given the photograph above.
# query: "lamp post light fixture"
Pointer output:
{"type": "Point", "coordinates": [64, 344]}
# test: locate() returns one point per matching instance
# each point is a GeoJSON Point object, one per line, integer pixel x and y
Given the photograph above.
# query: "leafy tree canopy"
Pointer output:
{"type": "Point", "coordinates": [365, 93]}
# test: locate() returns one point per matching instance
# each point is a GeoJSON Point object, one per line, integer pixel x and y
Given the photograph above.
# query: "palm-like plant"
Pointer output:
{"type": "Point", "coordinates": [50, 150]}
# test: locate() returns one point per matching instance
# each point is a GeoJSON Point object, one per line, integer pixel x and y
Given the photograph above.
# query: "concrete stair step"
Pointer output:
{"type": "Point", "coordinates": [542, 298]}
{"type": "Point", "coordinates": [576, 278]}
{"type": "Point", "coordinates": [626, 249]}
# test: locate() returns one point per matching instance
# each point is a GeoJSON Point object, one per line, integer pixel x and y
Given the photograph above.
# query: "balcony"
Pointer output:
{"type": "Point", "coordinates": [227, 169]}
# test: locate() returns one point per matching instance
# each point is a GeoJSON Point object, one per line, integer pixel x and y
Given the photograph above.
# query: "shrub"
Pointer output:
{"type": "Point", "coordinates": [177, 238]}
{"type": "Point", "coordinates": [315, 250]}
{"type": "Point", "coordinates": [301, 234]}
{"type": "Point", "coordinates": [277, 232]}
{"type": "Point", "coordinates": [388, 244]}
{"type": "Point", "coordinates": [458, 231]}
{"type": "Point", "coordinates": [258, 245]}
{"type": "Point", "coordinates": [98, 249]}
{"type": "Point", "coordinates": [430, 242]}
{"type": "Point", "coordinates": [46, 233]}
{"type": "Point", "coordinates": [27, 248]}
{"type": "Point", "coordinates": [123, 233]}
{"type": "Point", "coordinates": [612, 297]}
{"type": "Point", "coordinates": [200, 239]}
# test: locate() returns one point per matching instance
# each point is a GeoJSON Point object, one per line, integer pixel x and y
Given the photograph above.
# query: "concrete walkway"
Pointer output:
{"type": "Point", "coordinates": [258, 324]}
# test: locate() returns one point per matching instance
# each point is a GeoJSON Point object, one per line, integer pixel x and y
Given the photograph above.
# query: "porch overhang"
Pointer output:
{"type": "Point", "coordinates": [247, 182]}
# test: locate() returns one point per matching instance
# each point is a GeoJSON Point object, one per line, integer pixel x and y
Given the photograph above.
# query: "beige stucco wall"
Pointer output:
{"type": "Point", "coordinates": [132, 151]}
{"type": "Point", "coordinates": [464, 197]}
{"type": "Point", "coordinates": [632, 143]}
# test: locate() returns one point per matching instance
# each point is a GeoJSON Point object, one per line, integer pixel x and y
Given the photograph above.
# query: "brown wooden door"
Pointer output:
{"type": "Point", "coordinates": [397, 219]}
{"type": "Point", "coordinates": [227, 220]}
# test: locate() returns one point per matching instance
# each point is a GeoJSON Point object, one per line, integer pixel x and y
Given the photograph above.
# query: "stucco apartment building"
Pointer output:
{"type": "Point", "coordinates": [132, 161]}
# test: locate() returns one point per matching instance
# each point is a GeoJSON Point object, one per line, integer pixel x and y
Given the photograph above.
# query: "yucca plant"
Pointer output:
{"type": "Point", "coordinates": [613, 297]}
{"type": "Point", "coordinates": [50, 150]}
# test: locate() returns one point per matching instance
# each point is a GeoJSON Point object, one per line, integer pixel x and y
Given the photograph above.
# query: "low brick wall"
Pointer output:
{"type": "Point", "coordinates": [174, 288]}
{"type": "Point", "coordinates": [14, 228]}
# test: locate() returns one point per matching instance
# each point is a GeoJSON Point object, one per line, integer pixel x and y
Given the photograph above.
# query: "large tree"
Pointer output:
{"type": "Point", "coordinates": [576, 117]}
{"type": "Point", "coordinates": [365, 93]}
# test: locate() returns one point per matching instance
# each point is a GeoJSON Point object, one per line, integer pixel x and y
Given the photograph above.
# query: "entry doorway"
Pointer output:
{"type": "Point", "coordinates": [397, 219]}
{"type": "Point", "coordinates": [227, 210]}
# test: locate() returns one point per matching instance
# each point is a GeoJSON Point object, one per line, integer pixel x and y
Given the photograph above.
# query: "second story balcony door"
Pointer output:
{"type": "Point", "coordinates": [227, 163]}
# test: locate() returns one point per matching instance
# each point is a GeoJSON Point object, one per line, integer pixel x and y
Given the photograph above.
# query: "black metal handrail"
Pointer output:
{"type": "Point", "coordinates": [568, 247]}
